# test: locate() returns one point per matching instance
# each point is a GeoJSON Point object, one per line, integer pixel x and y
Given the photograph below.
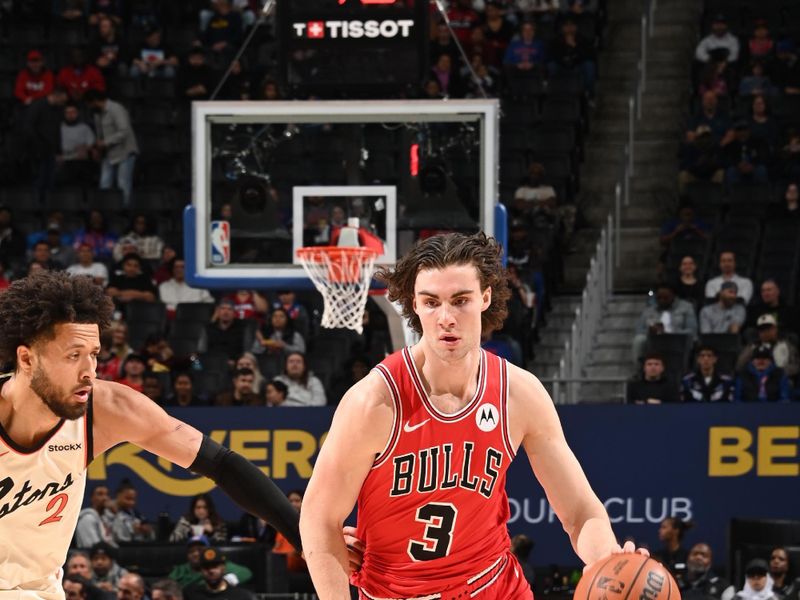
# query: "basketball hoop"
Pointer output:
{"type": "Point", "coordinates": [342, 275]}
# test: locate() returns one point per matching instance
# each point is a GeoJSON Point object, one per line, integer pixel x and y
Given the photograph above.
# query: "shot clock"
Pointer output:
{"type": "Point", "coordinates": [335, 48]}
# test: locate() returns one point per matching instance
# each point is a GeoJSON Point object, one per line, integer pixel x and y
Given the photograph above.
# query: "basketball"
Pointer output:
{"type": "Point", "coordinates": [627, 577]}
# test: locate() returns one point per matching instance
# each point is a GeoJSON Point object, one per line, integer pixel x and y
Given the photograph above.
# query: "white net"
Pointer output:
{"type": "Point", "coordinates": [342, 275]}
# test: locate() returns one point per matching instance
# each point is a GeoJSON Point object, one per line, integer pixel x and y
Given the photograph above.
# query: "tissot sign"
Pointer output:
{"type": "Point", "coordinates": [338, 46]}
{"type": "Point", "coordinates": [388, 29]}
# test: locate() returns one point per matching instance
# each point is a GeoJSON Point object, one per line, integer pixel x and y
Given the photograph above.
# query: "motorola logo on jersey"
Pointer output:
{"type": "Point", "coordinates": [487, 417]}
{"type": "Point", "coordinates": [63, 447]}
{"type": "Point", "coordinates": [372, 29]}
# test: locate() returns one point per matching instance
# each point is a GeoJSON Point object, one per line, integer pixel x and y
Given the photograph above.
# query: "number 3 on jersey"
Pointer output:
{"type": "Point", "coordinates": [440, 520]}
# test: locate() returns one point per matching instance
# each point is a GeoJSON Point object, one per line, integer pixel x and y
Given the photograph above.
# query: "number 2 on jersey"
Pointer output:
{"type": "Point", "coordinates": [440, 520]}
{"type": "Point", "coordinates": [61, 500]}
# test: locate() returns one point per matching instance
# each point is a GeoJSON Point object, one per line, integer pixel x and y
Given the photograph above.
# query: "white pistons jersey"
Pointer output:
{"type": "Point", "coordinates": [41, 492]}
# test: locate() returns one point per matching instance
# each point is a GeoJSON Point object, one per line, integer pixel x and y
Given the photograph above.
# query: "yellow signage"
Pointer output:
{"type": "Point", "coordinates": [732, 452]}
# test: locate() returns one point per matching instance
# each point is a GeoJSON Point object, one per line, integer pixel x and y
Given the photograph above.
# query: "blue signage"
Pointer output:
{"type": "Point", "coordinates": [707, 463]}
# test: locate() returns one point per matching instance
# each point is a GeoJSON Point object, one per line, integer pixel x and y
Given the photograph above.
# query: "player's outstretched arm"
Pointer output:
{"type": "Point", "coordinates": [359, 432]}
{"type": "Point", "coordinates": [535, 423]}
{"type": "Point", "coordinates": [122, 414]}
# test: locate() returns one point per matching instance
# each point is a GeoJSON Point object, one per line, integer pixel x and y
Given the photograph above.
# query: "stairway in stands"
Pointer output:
{"type": "Point", "coordinates": [653, 194]}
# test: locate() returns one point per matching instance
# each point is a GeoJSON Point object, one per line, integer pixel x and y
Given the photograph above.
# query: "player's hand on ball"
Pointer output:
{"type": "Point", "coordinates": [630, 548]}
{"type": "Point", "coordinates": [355, 548]}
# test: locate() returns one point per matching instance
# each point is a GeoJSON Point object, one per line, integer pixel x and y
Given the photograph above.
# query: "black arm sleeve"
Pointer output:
{"type": "Point", "coordinates": [248, 487]}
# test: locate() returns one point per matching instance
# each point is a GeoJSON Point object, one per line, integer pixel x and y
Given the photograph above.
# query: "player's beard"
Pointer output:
{"type": "Point", "coordinates": [51, 395]}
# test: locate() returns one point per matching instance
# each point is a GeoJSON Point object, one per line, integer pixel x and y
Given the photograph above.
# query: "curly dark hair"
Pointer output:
{"type": "Point", "coordinates": [440, 251]}
{"type": "Point", "coordinates": [31, 308]}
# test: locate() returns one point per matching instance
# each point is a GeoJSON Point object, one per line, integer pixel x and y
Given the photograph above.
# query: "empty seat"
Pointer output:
{"type": "Point", "coordinates": [70, 199]}
{"type": "Point", "coordinates": [750, 194]}
{"type": "Point", "coordinates": [188, 337]}
{"type": "Point", "coordinates": [198, 312]}
{"type": "Point", "coordinates": [674, 347]}
{"type": "Point", "coordinates": [107, 200]}
{"type": "Point", "coordinates": [704, 193]}
{"type": "Point", "coordinates": [146, 312]}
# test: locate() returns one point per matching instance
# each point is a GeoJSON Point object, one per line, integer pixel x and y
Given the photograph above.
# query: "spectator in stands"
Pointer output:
{"type": "Point", "coordinates": [279, 336]}
{"type": "Point", "coordinates": [671, 533]}
{"type": "Point", "coordinates": [244, 392]}
{"type": "Point", "coordinates": [119, 340]}
{"type": "Point", "coordinates": [445, 73]}
{"type": "Point", "coordinates": [78, 77]}
{"type": "Point", "coordinates": [668, 315]}
{"type": "Point", "coordinates": [714, 78]}
{"type": "Point", "coordinates": [163, 270]}
{"type": "Point", "coordinates": [107, 49]}
{"type": "Point", "coordinates": [784, 352]}
{"type": "Point", "coordinates": [175, 291]}
{"type": "Point", "coordinates": [719, 39]}
{"type": "Point", "coordinates": [700, 580]}
{"type": "Point", "coordinates": [725, 315]}
{"type": "Point", "coordinates": [12, 240]}
{"type": "Point", "coordinates": [249, 304]}
{"type": "Point", "coordinates": [789, 210]}
{"type": "Point", "coordinates": [223, 33]}
{"type": "Point", "coordinates": [116, 146]}
{"type": "Point", "coordinates": [760, 44]}
{"type": "Point", "coordinates": [201, 519]}
{"type": "Point", "coordinates": [463, 19]}
{"type": "Point", "coordinates": [41, 255]}
{"type": "Point", "coordinates": [237, 85]}
{"type": "Point", "coordinates": [789, 159]}
{"type": "Point", "coordinates": [355, 370]}
{"type": "Point", "coordinates": [785, 69]}
{"type": "Point", "coordinates": [34, 81]}
{"type": "Point", "coordinates": [127, 523]}
{"type": "Point", "coordinates": [4, 281]}
{"type": "Point", "coordinates": [304, 388]}
{"type": "Point", "coordinates": [745, 157]}
{"type": "Point", "coordinates": [157, 353]}
{"type": "Point", "coordinates": [706, 383]}
{"type": "Point", "coordinates": [498, 30]}
{"type": "Point", "coordinates": [167, 589]}
{"type": "Point", "coordinates": [132, 372]}
{"type": "Point", "coordinates": [43, 129]}
{"type": "Point", "coordinates": [654, 387]}
{"type": "Point", "coordinates": [152, 387]}
{"type": "Point", "coordinates": [687, 286]}
{"type": "Point", "coordinates": [431, 90]}
{"type": "Point", "coordinates": [248, 361]}
{"type": "Point", "coordinates": [131, 586]}
{"type": "Point", "coordinates": [525, 54]}
{"type": "Point", "coordinates": [761, 380]}
{"type": "Point", "coordinates": [488, 77]}
{"type": "Point", "coordinates": [74, 161]}
{"type": "Point", "coordinates": [296, 567]}
{"type": "Point", "coordinates": [712, 116]}
{"type": "Point", "coordinates": [79, 564]}
{"type": "Point", "coordinates": [214, 584]}
{"type": "Point", "coordinates": [521, 548]}
{"type": "Point", "coordinates": [106, 573]}
{"type": "Point", "coordinates": [87, 265]}
{"type": "Point", "coordinates": [196, 79]}
{"type": "Point", "coordinates": [74, 587]}
{"type": "Point", "coordinates": [287, 300]}
{"type": "Point", "coordinates": [108, 363]}
{"type": "Point", "coordinates": [61, 254]}
{"type": "Point", "coordinates": [276, 393]}
{"type": "Point", "coordinates": [97, 235]}
{"type": "Point", "coordinates": [127, 245]}
{"type": "Point", "coordinates": [226, 332]}
{"type": "Point", "coordinates": [244, 7]}
{"type": "Point", "coordinates": [757, 584]}
{"type": "Point", "coordinates": [182, 391]}
{"type": "Point", "coordinates": [727, 268]}
{"type": "Point", "coordinates": [442, 43]}
{"type": "Point", "coordinates": [153, 58]}
{"type": "Point", "coordinates": [686, 226]}
{"type": "Point", "coordinates": [756, 82]}
{"type": "Point", "coordinates": [142, 232]}
{"type": "Point", "coordinates": [91, 528]}
{"type": "Point", "coordinates": [132, 284]}
{"type": "Point", "coordinates": [105, 9]}
{"type": "Point", "coordinates": [270, 90]}
{"type": "Point", "coordinates": [570, 52]}
{"type": "Point", "coordinates": [783, 584]}
{"type": "Point", "coordinates": [762, 125]}
{"type": "Point", "coordinates": [189, 572]}
{"type": "Point", "coordinates": [700, 159]}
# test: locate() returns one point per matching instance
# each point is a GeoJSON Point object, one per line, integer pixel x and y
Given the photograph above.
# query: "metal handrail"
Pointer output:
{"type": "Point", "coordinates": [600, 278]}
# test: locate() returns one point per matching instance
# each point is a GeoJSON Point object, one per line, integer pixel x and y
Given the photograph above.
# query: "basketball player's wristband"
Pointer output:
{"type": "Point", "coordinates": [248, 487]}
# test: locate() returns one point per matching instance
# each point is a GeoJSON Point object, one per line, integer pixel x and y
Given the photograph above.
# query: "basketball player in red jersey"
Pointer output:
{"type": "Point", "coordinates": [424, 441]}
{"type": "Point", "coordinates": [55, 417]}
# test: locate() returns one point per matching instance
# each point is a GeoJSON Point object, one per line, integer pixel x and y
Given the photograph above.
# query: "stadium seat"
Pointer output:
{"type": "Point", "coordinates": [198, 312]}
{"type": "Point", "coordinates": [68, 199]}
{"type": "Point", "coordinates": [107, 200]}
{"type": "Point", "coordinates": [188, 337]}
{"type": "Point", "coordinates": [149, 317]}
{"type": "Point", "coordinates": [674, 347]}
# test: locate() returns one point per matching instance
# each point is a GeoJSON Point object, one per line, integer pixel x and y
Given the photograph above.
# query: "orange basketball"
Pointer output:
{"type": "Point", "coordinates": [627, 577]}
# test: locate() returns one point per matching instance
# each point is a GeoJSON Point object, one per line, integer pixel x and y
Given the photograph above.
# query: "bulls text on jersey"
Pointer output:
{"type": "Point", "coordinates": [433, 469]}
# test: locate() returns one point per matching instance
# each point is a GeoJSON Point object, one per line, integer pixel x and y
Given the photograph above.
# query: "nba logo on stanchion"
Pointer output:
{"type": "Point", "coordinates": [220, 242]}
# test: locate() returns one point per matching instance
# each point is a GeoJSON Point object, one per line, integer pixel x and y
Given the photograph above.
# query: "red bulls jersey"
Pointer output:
{"type": "Point", "coordinates": [433, 509]}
